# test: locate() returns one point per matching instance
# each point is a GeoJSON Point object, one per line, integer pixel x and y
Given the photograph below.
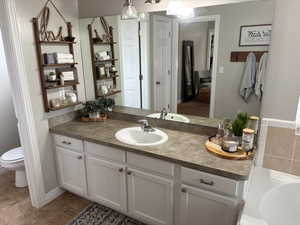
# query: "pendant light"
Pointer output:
{"type": "Point", "coordinates": [152, 2]}
{"type": "Point", "coordinates": [178, 8]}
{"type": "Point", "coordinates": [129, 11]}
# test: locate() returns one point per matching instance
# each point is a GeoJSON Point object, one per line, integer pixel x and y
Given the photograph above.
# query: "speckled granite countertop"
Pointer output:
{"type": "Point", "coordinates": [183, 148]}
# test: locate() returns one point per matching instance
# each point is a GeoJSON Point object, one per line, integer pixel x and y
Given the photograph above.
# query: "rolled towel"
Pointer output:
{"type": "Point", "coordinates": [64, 60]}
{"type": "Point", "coordinates": [64, 56]}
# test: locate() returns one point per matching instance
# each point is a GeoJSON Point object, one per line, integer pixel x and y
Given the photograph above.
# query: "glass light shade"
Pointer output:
{"type": "Point", "coordinates": [174, 7]}
{"type": "Point", "coordinates": [129, 11]}
{"type": "Point", "coordinates": [186, 12]}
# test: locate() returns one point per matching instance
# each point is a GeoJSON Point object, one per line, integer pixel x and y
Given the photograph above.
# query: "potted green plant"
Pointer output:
{"type": "Point", "coordinates": [239, 124]}
{"type": "Point", "coordinates": [106, 103]}
{"type": "Point", "coordinates": [90, 110]}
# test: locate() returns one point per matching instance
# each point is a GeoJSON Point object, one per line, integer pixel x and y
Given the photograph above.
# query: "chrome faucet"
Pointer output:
{"type": "Point", "coordinates": [145, 126]}
{"type": "Point", "coordinates": [163, 114]}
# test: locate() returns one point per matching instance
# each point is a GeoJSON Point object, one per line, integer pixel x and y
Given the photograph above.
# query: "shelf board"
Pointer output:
{"type": "Point", "coordinates": [108, 78]}
{"type": "Point", "coordinates": [110, 94]}
{"type": "Point", "coordinates": [65, 106]}
{"type": "Point", "coordinates": [105, 61]}
{"type": "Point", "coordinates": [59, 65]}
{"type": "Point", "coordinates": [65, 85]}
{"type": "Point", "coordinates": [57, 42]}
{"type": "Point", "coordinates": [104, 43]}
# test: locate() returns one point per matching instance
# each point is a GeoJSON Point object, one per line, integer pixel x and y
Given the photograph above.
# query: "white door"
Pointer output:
{"type": "Point", "coordinates": [199, 207]}
{"type": "Point", "coordinates": [129, 51]}
{"type": "Point", "coordinates": [107, 183]}
{"type": "Point", "coordinates": [162, 53]}
{"type": "Point", "coordinates": [150, 197]}
{"type": "Point", "coordinates": [71, 170]}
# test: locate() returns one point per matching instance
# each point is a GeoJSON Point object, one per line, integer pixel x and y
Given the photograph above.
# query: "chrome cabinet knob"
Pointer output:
{"type": "Point", "coordinates": [183, 190]}
{"type": "Point", "coordinates": [121, 170]}
{"type": "Point", "coordinates": [79, 157]}
{"type": "Point", "coordinates": [129, 172]}
{"type": "Point", "coordinates": [66, 142]}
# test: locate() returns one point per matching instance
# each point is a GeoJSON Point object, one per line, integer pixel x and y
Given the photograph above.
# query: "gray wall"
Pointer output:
{"type": "Point", "coordinates": [26, 10]}
{"type": "Point", "coordinates": [9, 136]}
{"type": "Point", "coordinates": [283, 77]}
{"type": "Point", "coordinates": [93, 8]}
{"type": "Point", "coordinates": [227, 100]}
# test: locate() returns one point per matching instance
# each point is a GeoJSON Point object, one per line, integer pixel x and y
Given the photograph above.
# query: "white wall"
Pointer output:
{"type": "Point", "coordinates": [283, 77]}
{"type": "Point", "coordinates": [26, 10]}
{"type": "Point", "coordinates": [9, 136]}
{"type": "Point", "coordinates": [227, 99]}
{"type": "Point", "coordinates": [198, 33]}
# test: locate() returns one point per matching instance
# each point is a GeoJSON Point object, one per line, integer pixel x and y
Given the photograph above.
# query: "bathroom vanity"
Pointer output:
{"type": "Point", "coordinates": [177, 182]}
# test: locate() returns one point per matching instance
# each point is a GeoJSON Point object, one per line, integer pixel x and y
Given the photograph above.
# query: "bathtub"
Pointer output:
{"type": "Point", "coordinates": [272, 198]}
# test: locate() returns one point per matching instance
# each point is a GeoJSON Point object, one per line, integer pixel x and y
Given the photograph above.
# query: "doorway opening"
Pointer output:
{"type": "Point", "coordinates": [197, 44]}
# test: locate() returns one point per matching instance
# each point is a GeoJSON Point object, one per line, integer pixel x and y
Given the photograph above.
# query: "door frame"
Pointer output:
{"type": "Point", "coordinates": [22, 102]}
{"type": "Point", "coordinates": [216, 19]}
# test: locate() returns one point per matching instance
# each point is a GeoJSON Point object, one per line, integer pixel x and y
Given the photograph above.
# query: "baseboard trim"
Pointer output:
{"type": "Point", "coordinates": [52, 195]}
{"type": "Point", "coordinates": [279, 123]}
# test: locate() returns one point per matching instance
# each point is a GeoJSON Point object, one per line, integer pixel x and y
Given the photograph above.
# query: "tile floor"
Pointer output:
{"type": "Point", "coordinates": [16, 209]}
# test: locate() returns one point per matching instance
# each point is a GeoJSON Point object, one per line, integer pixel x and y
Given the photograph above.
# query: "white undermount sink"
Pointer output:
{"type": "Point", "coordinates": [138, 137]}
{"type": "Point", "coordinates": [280, 206]}
{"type": "Point", "coordinates": [171, 116]}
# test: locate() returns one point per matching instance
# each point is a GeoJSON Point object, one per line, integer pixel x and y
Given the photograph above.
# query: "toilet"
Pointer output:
{"type": "Point", "coordinates": [14, 160]}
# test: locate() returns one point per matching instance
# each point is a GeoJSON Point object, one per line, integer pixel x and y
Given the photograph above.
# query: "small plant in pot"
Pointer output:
{"type": "Point", "coordinates": [90, 110]}
{"type": "Point", "coordinates": [239, 124]}
{"type": "Point", "coordinates": [107, 103]}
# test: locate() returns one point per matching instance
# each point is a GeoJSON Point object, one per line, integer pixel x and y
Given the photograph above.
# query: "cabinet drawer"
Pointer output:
{"type": "Point", "coordinates": [209, 182]}
{"type": "Point", "coordinates": [105, 152]}
{"type": "Point", "coordinates": [150, 164]}
{"type": "Point", "coordinates": [67, 142]}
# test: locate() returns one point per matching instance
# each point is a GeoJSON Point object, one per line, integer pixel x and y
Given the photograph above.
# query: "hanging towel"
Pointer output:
{"type": "Point", "coordinates": [248, 80]}
{"type": "Point", "coordinates": [260, 76]}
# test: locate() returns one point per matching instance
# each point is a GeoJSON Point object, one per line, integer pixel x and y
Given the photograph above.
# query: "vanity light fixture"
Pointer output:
{"type": "Point", "coordinates": [152, 2]}
{"type": "Point", "coordinates": [178, 8]}
{"type": "Point", "coordinates": [129, 11]}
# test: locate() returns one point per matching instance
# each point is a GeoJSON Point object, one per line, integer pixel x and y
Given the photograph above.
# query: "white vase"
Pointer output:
{"type": "Point", "coordinates": [94, 115]}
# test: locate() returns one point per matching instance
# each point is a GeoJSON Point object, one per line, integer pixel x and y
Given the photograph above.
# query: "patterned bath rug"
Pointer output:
{"type": "Point", "coordinates": [100, 215]}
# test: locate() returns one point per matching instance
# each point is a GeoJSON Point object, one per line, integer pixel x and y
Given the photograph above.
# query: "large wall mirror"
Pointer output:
{"type": "Point", "coordinates": [182, 66]}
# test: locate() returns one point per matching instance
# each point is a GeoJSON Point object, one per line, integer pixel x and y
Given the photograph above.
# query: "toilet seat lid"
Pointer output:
{"type": "Point", "coordinates": [13, 154]}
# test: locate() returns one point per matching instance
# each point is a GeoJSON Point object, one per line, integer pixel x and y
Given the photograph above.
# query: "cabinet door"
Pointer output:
{"type": "Point", "coordinates": [107, 183]}
{"type": "Point", "coordinates": [199, 207]}
{"type": "Point", "coordinates": [71, 170]}
{"type": "Point", "coordinates": [150, 197]}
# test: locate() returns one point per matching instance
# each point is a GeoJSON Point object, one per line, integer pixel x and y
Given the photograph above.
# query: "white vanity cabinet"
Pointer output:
{"type": "Point", "coordinates": [106, 176]}
{"type": "Point", "coordinates": [150, 189]}
{"type": "Point", "coordinates": [208, 199]}
{"type": "Point", "coordinates": [153, 191]}
{"type": "Point", "coordinates": [200, 207]}
{"type": "Point", "coordinates": [71, 170]}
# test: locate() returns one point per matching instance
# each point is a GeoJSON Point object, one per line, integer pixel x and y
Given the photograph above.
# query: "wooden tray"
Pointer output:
{"type": "Point", "coordinates": [87, 119]}
{"type": "Point", "coordinates": [217, 150]}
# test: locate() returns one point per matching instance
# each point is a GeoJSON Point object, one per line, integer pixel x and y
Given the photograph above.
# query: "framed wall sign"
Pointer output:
{"type": "Point", "coordinates": [255, 35]}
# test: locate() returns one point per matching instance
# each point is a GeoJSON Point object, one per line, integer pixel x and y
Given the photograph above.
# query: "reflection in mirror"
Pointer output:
{"type": "Point", "coordinates": [169, 66]}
